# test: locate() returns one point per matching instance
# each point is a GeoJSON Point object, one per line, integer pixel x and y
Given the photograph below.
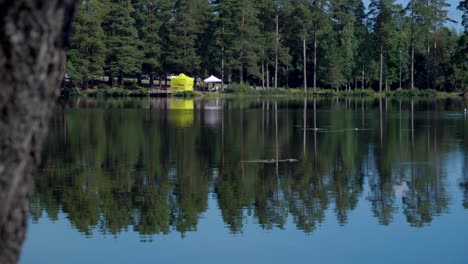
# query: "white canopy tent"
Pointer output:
{"type": "Point", "coordinates": [212, 79]}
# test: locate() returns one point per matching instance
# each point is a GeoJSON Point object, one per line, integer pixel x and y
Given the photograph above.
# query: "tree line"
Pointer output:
{"type": "Point", "coordinates": [338, 44]}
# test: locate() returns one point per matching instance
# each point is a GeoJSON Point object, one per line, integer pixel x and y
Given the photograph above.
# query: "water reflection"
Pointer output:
{"type": "Point", "coordinates": [151, 165]}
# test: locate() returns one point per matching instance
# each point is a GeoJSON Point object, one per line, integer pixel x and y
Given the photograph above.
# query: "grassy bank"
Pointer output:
{"type": "Point", "coordinates": [242, 90]}
{"type": "Point", "coordinates": [119, 92]}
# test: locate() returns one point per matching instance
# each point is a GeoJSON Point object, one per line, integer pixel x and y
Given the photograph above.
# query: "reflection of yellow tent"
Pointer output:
{"type": "Point", "coordinates": [182, 83]}
{"type": "Point", "coordinates": [181, 113]}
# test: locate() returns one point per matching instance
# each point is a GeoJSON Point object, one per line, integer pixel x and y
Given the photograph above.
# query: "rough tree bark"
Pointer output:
{"type": "Point", "coordinates": [31, 68]}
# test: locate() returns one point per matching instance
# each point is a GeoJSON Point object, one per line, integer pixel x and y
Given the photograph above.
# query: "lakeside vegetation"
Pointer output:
{"type": "Point", "coordinates": [239, 90]}
{"type": "Point", "coordinates": [331, 44]}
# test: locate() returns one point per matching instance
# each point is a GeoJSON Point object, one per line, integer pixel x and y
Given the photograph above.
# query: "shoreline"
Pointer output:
{"type": "Point", "coordinates": [271, 92]}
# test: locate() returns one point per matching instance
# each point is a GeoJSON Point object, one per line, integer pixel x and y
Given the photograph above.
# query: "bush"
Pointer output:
{"type": "Point", "coordinates": [91, 92]}
{"type": "Point", "coordinates": [103, 86]}
{"type": "Point", "coordinates": [324, 92]}
{"type": "Point", "coordinates": [184, 94]}
{"type": "Point", "coordinates": [413, 93]}
{"type": "Point", "coordinates": [274, 91]}
{"type": "Point", "coordinates": [116, 92]}
{"type": "Point", "coordinates": [69, 91]}
{"type": "Point", "coordinates": [360, 93]}
{"type": "Point", "coordinates": [133, 85]}
{"type": "Point", "coordinates": [428, 93]}
{"type": "Point", "coordinates": [141, 92]}
{"type": "Point", "coordinates": [237, 88]}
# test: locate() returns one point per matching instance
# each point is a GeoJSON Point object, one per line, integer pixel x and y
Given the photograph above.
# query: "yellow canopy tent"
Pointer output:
{"type": "Point", "coordinates": [182, 83]}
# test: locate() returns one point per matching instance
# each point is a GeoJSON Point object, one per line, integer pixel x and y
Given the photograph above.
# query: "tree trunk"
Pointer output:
{"type": "Point", "coordinates": [222, 58]}
{"type": "Point", "coordinates": [121, 80]}
{"type": "Point", "coordinates": [412, 67]}
{"type": "Point", "coordinates": [241, 74]}
{"type": "Point", "coordinates": [151, 81]}
{"type": "Point", "coordinates": [31, 68]}
{"type": "Point", "coordinates": [381, 68]}
{"type": "Point", "coordinates": [263, 75]}
{"type": "Point", "coordinates": [363, 81]}
{"type": "Point", "coordinates": [315, 60]}
{"type": "Point", "coordinates": [110, 81]}
{"type": "Point", "coordinates": [276, 50]}
{"type": "Point", "coordinates": [434, 61]}
{"type": "Point", "coordinates": [267, 77]}
{"type": "Point", "coordinates": [412, 44]}
{"type": "Point", "coordinates": [304, 50]}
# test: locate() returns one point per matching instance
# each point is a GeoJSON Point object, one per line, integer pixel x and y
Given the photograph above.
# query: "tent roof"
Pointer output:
{"type": "Point", "coordinates": [181, 76]}
{"type": "Point", "coordinates": [212, 79]}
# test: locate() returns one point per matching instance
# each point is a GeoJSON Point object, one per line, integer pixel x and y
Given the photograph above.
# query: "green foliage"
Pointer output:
{"type": "Point", "coordinates": [360, 93]}
{"type": "Point", "coordinates": [414, 93]}
{"type": "Point", "coordinates": [332, 40]}
{"type": "Point", "coordinates": [86, 54]}
{"type": "Point", "coordinates": [463, 6]}
{"type": "Point", "coordinates": [184, 94]}
{"type": "Point", "coordinates": [325, 92]}
{"type": "Point", "coordinates": [237, 88]}
{"type": "Point", "coordinates": [116, 92]}
{"type": "Point", "coordinates": [140, 92]}
{"type": "Point", "coordinates": [279, 91]}
{"type": "Point", "coordinates": [125, 53]}
{"type": "Point", "coordinates": [92, 93]}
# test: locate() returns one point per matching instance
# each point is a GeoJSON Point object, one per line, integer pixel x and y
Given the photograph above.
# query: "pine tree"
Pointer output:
{"type": "Point", "coordinates": [300, 25]}
{"type": "Point", "coordinates": [268, 14]}
{"type": "Point", "coordinates": [344, 38]}
{"type": "Point", "coordinates": [320, 25]}
{"type": "Point", "coordinates": [246, 46]}
{"type": "Point", "coordinates": [189, 26]}
{"type": "Point", "coordinates": [440, 17]}
{"type": "Point", "coordinates": [125, 53]}
{"type": "Point", "coordinates": [362, 53]}
{"type": "Point", "coordinates": [459, 77]}
{"type": "Point", "coordinates": [87, 52]}
{"type": "Point", "coordinates": [148, 25]}
{"type": "Point", "coordinates": [164, 13]}
{"type": "Point", "coordinates": [238, 36]}
{"type": "Point", "coordinates": [381, 18]}
{"type": "Point", "coordinates": [463, 6]}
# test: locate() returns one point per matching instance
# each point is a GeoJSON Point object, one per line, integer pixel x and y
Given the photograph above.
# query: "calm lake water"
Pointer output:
{"type": "Point", "coordinates": [252, 181]}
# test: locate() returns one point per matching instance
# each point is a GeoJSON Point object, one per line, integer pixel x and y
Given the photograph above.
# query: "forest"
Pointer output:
{"type": "Point", "coordinates": [309, 44]}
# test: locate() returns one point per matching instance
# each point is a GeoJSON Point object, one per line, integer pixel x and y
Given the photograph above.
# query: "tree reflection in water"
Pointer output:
{"type": "Point", "coordinates": [116, 165]}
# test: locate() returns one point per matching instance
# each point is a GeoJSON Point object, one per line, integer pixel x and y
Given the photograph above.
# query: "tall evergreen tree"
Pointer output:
{"type": "Point", "coordinates": [320, 25]}
{"type": "Point", "coordinates": [381, 18]}
{"type": "Point", "coordinates": [148, 24]}
{"type": "Point", "coordinates": [459, 77]}
{"type": "Point", "coordinates": [268, 12]}
{"type": "Point", "coordinates": [301, 19]}
{"type": "Point", "coordinates": [164, 13]}
{"type": "Point", "coordinates": [363, 54]}
{"type": "Point", "coordinates": [440, 17]}
{"type": "Point", "coordinates": [125, 55]}
{"type": "Point", "coordinates": [189, 27]}
{"type": "Point", "coordinates": [87, 52]}
{"type": "Point", "coordinates": [463, 6]}
{"type": "Point", "coordinates": [343, 27]}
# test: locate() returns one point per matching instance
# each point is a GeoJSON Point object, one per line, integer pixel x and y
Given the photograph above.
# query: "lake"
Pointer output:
{"type": "Point", "coordinates": [252, 181]}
